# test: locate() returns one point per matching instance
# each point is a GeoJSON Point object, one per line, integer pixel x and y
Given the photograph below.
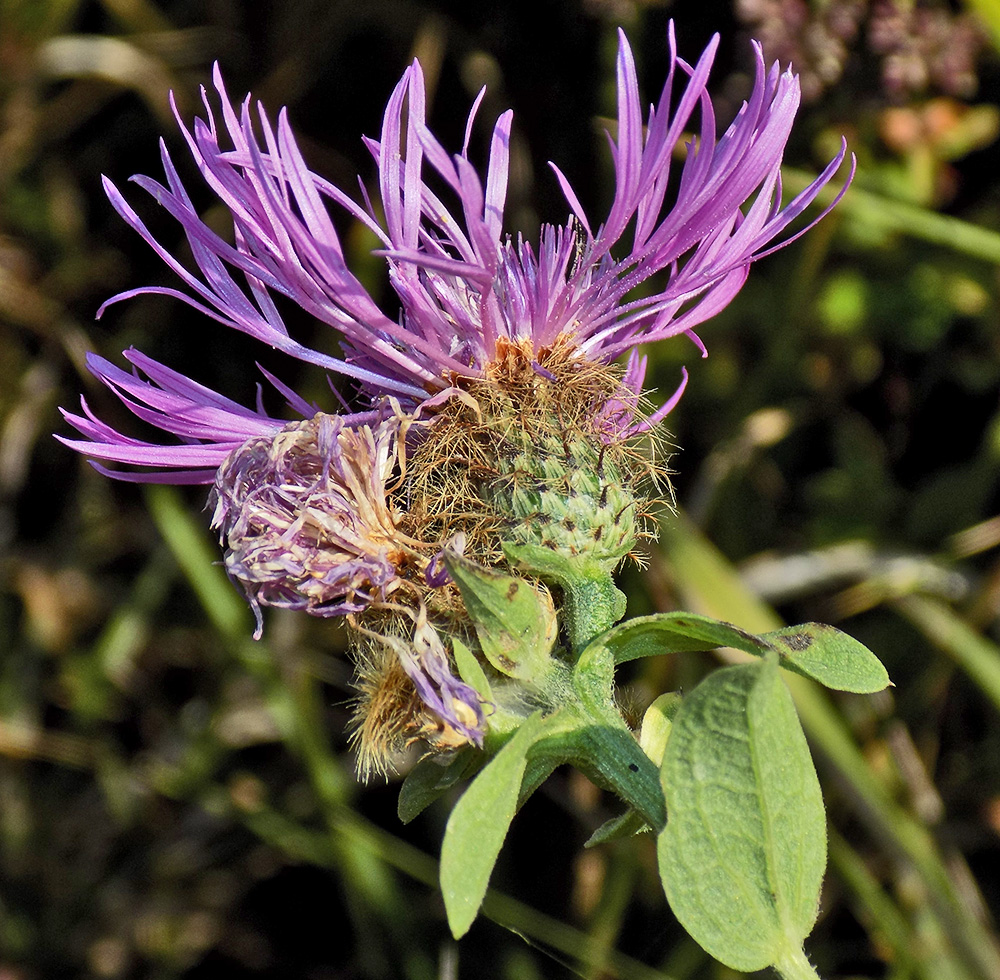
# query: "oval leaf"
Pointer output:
{"type": "Point", "coordinates": [515, 622]}
{"type": "Point", "coordinates": [829, 656]}
{"type": "Point", "coordinates": [478, 825]}
{"type": "Point", "coordinates": [815, 650]}
{"type": "Point", "coordinates": [744, 849]}
{"type": "Point", "coordinates": [471, 670]}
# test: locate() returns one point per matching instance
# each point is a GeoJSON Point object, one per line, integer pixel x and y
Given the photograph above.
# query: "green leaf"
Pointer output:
{"type": "Point", "coordinates": [710, 584]}
{"type": "Point", "coordinates": [655, 731]}
{"type": "Point", "coordinates": [470, 669]}
{"type": "Point", "coordinates": [592, 601]}
{"type": "Point", "coordinates": [515, 622]}
{"type": "Point", "coordinates": [627, 824]}
{"type": "Point", "coordinates": [814, 650]}
{"type": "Point", "coordinates": [829, 656]}
{"type": "Point", "coordinates": [656, 725]}
{"type": "Point", "coordinates": [478, 825]}
{"type": "Point", "coordinates": [743, 852]}
{"type": "Point", "coordinates": [677, 632]}
{"type": "Point", "coordinates": [610, 757]}
{"type": "Point", "coordinates": [428, 780]}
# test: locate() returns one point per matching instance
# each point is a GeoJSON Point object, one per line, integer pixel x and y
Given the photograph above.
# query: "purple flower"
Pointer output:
{"type": "Point", "coordinates": [305, 517]}
{"type": "Point", "coordinates": [307, 510]}
{"type": "Point", "coordinates": [463, 286]}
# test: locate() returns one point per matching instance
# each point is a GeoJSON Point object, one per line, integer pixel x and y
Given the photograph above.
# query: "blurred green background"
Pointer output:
{"type": "Point", "coordinates": [179, 801]}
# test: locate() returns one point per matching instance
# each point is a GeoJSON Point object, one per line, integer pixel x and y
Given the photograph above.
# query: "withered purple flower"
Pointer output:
{"type": "Point", "coordinates": [502, 350]}
{"type": "Point", "coordinates": [445, 712]}
{"type": "Point", "coordinates": [306, 520]}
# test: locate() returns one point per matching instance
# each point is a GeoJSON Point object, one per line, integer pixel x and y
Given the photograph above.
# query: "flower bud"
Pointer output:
{"type": "Point", "coordinates": [535, 462]}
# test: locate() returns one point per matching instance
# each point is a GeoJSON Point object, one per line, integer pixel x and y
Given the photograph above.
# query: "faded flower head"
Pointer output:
{"type": "Point", "coordinates": [492, 414]}
{"type": "Point", "coordinates": [306, 520]}
{"type": "Point", "coordinates": [408, 691]}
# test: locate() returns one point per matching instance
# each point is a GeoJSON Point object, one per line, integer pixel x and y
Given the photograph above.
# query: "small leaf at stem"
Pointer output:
{"type": "Point", "coordinates": [815, 650]}
{"type": "Point", "coordinates": [829, 656]}
{"type": "Point", "coordinates": [743, 853]}
{"type": "Point", "coordinates": [478, 825]}
{"type": "Point", "coordinates": [592, 601]}
{"type": "Point", "coordinates": [627, 824]}
{"type": "Point", "coordinates": [470, 669]}
{"type": "Point", "coordinates": [428, 780]}
{"type": "Point", "coordinates": [515, 621]}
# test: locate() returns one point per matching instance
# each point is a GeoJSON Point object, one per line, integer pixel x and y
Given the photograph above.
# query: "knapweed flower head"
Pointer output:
{"type": "Point", "coordinates": [306, 517]}
{"type": "Point", "coordinates": [407, 690]}
{"type": "Point", "coordinates": [492, 410]}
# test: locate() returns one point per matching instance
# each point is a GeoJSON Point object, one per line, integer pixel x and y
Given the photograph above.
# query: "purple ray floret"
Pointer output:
{"type": "Point", "coordinates": [210, 425]}
{"type": "Point", "coordinates": [462, 283]}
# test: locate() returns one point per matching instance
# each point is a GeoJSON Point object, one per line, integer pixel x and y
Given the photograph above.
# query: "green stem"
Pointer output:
{"type": "Point", "coordinates": [793, 965]}
{"type": "Point", "coordinates": [593, 605]}
{"type": "Point", "coordinates": [592, 601]}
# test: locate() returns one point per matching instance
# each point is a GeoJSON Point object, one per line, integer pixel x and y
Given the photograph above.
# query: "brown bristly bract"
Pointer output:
{"type": "Point", "coordinates": [386, 709]}
{"type": "Point", "coordinates": [462, 463]}
{"type": "Point", "coordinates": [388, 714]}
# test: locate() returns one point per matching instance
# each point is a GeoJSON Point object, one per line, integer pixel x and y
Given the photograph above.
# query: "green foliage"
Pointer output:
{"type": "Point", "coordinates": [815, 650]}
{"type": "Point", "coordinates": [471, 670]}
{"type": "Point", "coordinates": [477, 828]}
{"type": "Point", "coordinates": [736, 802]}
{"type": "Point", "coordinates": [827, 655]}
{"type": "Point", "coordinates": [591, 598]}
{"type": "Point", "coordinates": [515, 623]}
{"type": "Point", "coordinates": [744, 849]}
{"type": "Point", "coordinates": [428, 780]}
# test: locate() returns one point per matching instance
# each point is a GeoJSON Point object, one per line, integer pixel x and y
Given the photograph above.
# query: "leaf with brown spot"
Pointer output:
{"type": "Point", "coordinates": [516, 626]}
{"type": "Point", "coordinates": [827, 655]}
{"type": "Point", "coordinates": [815, 650]}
